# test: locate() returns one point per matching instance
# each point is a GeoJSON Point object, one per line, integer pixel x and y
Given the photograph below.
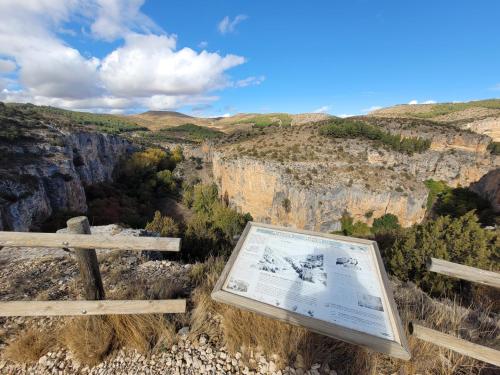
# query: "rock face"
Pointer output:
{"type": "Point", "coordinates": [269, 195]}
{"type": "Point", "coordinates": [489, 188]}
{"type": "Point", "coordinates": [296, 177]}
{"type": "Point", "coordinates": [40, 177]}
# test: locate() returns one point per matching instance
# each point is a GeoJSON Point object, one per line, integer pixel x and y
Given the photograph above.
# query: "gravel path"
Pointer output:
{"type": "Point", "coordinates": [184, 357]}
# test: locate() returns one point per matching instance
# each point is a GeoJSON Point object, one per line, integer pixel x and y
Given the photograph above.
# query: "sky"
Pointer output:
{"type": "Point", "coordinates": [219, 58]}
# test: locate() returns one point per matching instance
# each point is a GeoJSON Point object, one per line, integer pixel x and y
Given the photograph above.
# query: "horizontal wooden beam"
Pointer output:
{"type": "Point", "coordinates": [107, 307]}
{"type": "Point", "coordinates": [460, 271]}
{"type": "Point", "coordinates": [88, 241]}
{"type": "Point", "coordinates": [479, 352]}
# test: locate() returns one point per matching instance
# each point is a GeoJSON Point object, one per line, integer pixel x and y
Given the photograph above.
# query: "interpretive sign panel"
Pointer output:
{"type": "Point", "coordinates": [333, 285]}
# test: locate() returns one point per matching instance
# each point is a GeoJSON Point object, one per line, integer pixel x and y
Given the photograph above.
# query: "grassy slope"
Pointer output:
{"type": "Point", "coordinates": [431, 111]}
{"type": "Point", "coordinates": [72, 119]}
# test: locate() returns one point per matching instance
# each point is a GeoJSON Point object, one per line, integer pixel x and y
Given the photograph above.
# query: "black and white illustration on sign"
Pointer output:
{"type": "Point", "coordinates": [325, 278]}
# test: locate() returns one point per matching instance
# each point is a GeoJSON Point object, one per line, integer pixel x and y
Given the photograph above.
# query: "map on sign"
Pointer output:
{"type": "Point", "coordinates": [333, 281]}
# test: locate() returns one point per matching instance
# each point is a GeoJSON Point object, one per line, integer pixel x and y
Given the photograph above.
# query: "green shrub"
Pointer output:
{"type": "Point", "coordinates": [164, 225]}
{"type": "Point", "coordinates": [351, 228]}
{"type": "Point", "coordinates": [177, 154]}
{"type": "Point", "coordinates": [188, 195]}
{"type": "Point", "coordinates": [460, 240]}
{"type": "Point", "coordinates": [166, 180]}
{"type": "Point", "coordinates": [346, 128]}
{"type": "Point", "coordinates": [214, 225]}
{"type": "Point", "coordinates": [204, 196]}
{"type": "Point", "coordinates": [459, 201]}
{"type": "Point", "coordinates": [435, 189]}
{"type": "Point", "coordinates": [286, 205]}
{"type": "Point", "coordinates": [494, 148]}
{"type": "Point", "coordinates": [386, 223]}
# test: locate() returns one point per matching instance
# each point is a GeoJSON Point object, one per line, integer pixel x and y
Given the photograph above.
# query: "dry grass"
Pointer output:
{"type": "Point", "coordinates": [30, 345]}
{"type": "Point", "coordinates": [103, 334]}
{"type": "Point", "coordinates": [203, 319]}
{"type": "Point", "coordinates": [91, 339]}
{"type": "Point", "coordinates": [247, 332]}
{"type": "Point", "coordinates": [473, 324]}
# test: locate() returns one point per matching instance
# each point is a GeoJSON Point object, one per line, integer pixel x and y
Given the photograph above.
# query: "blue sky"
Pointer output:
{"type": "Point", "coordinates": [211, 58]}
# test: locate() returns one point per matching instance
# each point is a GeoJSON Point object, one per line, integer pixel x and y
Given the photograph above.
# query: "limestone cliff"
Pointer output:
{"type": "Point", "coordinates": [270, 195]}
{"type": "Point", "coordinates": [45, 169]}
{"type": "Point", "coordinates": [299, 178]}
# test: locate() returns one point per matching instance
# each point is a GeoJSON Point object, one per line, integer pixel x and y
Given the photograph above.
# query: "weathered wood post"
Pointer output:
{"type": "Point", "coordinates": [87, 261]}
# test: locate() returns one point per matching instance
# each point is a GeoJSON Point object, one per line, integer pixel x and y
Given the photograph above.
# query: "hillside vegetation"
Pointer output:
{"type": "Point", "coordinates": [346, 128]}
{"type": "Point", "coordinates": [447, 108]}
{"type": "Point", "coordinates": [60, 117]}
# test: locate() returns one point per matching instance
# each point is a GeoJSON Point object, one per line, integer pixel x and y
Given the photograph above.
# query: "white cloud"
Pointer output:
{"type": "Point", "coordinates": [7, 66]}
{"type": "Point", "coordinates": [145, 66]}
{"type": "Point", "coordinates": [323, 109]}
{"type": "Point", "coordinates": [203, 44]}
{"type": "Point", "coordinates": [344, 115]}
{"type": "Point", "coordinates": [229, 26]}
{"type": "Point", "coordinates": [116, 18]}
{"type": "Point", "coordinates": [414, 102]}
{"type": "Point", "coordinates": [145, 71]}
{"type": "Point", "coordinates": [371, 109]}
{"type": "Point", "coordinates": [250, 81]}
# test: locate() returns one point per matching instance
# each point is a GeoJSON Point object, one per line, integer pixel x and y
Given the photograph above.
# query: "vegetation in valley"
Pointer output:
{"type": "Point", "coordinates": [444, 200]}
{"type": "Point", "coordinates": [213, 228]}
{"type": "Point", "coordinates": [141, 182]}
{"type": "Point", "coordinates": [385, 224]}
{"type": "Point", "coordinates": [346, 128]}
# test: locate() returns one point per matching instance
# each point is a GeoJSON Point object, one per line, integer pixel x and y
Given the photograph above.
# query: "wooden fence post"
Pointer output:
{"type": "Point", "coordinates": [87, 261]}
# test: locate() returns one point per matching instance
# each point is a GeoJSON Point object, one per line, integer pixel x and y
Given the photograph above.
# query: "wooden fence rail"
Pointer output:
{"type": "Point", "coordinates": [60, 308]}
{"type": "Point", "coordinates": [84, 244]}
{"type": "Point", "coordinates": [464, 347]}
{"type": "Point", "coordinates": [88, 241]}
{"type": "Point", "coordinates": [460, 271]}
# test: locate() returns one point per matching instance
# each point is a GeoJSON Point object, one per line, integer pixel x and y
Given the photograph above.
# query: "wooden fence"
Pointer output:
{"type": "Point", "coordinates": [84, 244]}
{"type": "Point", "coordinates": [464, 347]}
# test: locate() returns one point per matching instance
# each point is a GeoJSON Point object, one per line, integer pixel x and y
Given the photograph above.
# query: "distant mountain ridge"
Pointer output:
{"type": "Point", "coordinates": [164, 113]}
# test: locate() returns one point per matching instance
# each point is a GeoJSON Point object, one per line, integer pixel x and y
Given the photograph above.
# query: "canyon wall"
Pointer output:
{"type": "Point", "coordinates": [489, 188]}
{"type": "Point", "coordinates": [39, 178]}
{"type": "Point", "coordinates": [267, 191]}
{"type": "Point", "coordinates": [263, 189]}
